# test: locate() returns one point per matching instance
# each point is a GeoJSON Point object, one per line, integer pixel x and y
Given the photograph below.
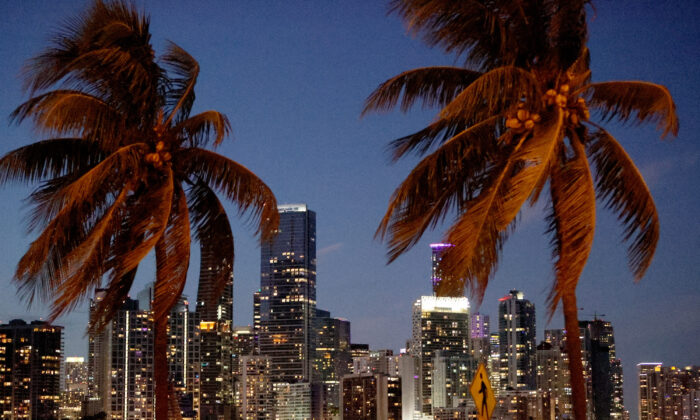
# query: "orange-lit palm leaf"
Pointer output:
{"type": "Point", "coordinates": [493, 93]}
{"type": "Point", "coordinates": [441, 182]}
{"type": "Point", "coordinates": [172, 258]}
{"type": "Point", "coordinates": [237, 183]}
{"type": "Point", "coordinates": [643, 101]}
{"type": "Point", "coordinates": [213, 231]}
{"type": "Point", "coordinates": [571, 220]}
{"type": "Point", "coordinates": [197, 130]}
{"type": "Point", "coordinates": [621, 185]}
{"type": "Point", "coordinates": [432, 86]}
{"type": "Point", "coordinates": [479, 232]}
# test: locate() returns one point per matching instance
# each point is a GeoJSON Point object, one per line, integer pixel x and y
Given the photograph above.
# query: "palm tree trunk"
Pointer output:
{"type": "Point", "coordinates": [573, 347]}
{"type": "Point", "coordinates": [160, 367]}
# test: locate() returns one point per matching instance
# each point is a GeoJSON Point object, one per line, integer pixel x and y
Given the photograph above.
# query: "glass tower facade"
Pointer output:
{"type": "Point", "coordinates": [516, 333]}
{"type": "Point", "coordinates": [288, 295]}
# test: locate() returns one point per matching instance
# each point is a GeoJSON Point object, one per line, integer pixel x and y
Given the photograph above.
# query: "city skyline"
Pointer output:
{"type": "Point", "coordinates": [293, 94]}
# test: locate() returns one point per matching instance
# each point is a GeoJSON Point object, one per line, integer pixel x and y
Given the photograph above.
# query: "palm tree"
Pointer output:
{"type": "Point", "coordinates": [124, 171]}
{"type": "Point", "coordinates": [514, 120]}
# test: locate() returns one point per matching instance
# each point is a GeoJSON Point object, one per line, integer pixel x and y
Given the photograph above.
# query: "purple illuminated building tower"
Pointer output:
{"type": "Point", "coordinates": [436, 276]}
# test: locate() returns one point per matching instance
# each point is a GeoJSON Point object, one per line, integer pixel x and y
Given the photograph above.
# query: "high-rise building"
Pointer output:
{"type": "Point", "coordinates": [451, 378]}
{"type": "Point", "coordinates": [553, 381]}
{"type": "Point", "coordinates": [257, 398]}
{"type": "Point", "coordinates": [294, 401]}
{"type": "Point", "coordinates": [436, 272]}
{"type": "Point", "coordinates": [332, 358]}
{"type": "Point", "coordinates": [184, 357]}
{"type": "Point", "coordinates": [494, 363]}
{"type": "Point", "coordinates": [480, 345]}
{"type": "Point", "coordinates": [216, 324]}
{"type": "Point", "coordinates": [668, 392]}
{"type": "Point", "coordinates": [30, 370]}
{"type": "Point", "coordinates": [365, 397]}
{"type": "Point", "coordinates": [598, 350]}
{"type": "Point", "coordinates": [129, 394]}
{"type": "Point", "coordinates": [409, 372]}
{"type": "Point", "coordinates": [516, 333]}
{"type": "Point", "coordinates": [74, 388]}
{"type": "Point", "coordinates": [120, 361]}
{"type": "Point", "coordinates": [288, 295]}
{"type": "Point", "coordinates": [439, 324]}
{"type": "Point", "coordinates": [243, 344]}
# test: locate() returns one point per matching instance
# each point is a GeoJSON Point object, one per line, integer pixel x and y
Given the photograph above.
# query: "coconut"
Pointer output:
{"type": "Point", "coordinates": [529, 124]}
{"type": "Point", "coordinates": [536, 118]}
{"type": "Point", "coordinates": [513, 123]}
{"type": "Point", "coordinates": [159, 146]}
{"type": "Point", "coordinates": [523, 114]}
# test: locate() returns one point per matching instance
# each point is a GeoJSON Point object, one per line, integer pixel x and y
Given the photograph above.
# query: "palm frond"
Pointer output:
{"type": "Point", "coordinates": [236, 182]}
{"type": "Point", "coordinates": [571, 220]}
{"type": "Point", "coordinates": [73, 113]}
{"type": "Point", "coordinates": [579, 71]}
{"type": "Point", "coordinates": [180, 96]}
{"type": "Point", "coordinates": [197, 130]}
{"type": "Point", "coordinates": [172, 258]}
{"type": "Point", "coordinates": [432, 86]}
{"type": "Point", "coordinates": [422, 141]}
{"type": "Point", "coordinates": [568, 32]}
{"type": "Point", "coordinates": [441, 182]}
{"type": "Point", "coordinates": [479, 30]}
{"type": "Point", "coordinates": [493, 93]}
{"type": "Point", "coordinates": [114, 297]}
{"type": "Point", "coordinates": [620, 184]}
{"type": "Point", "coordinates": [78, 202]}
{"type": "Point", "coordinates": [142, 227]}
{"type": "Point", "coordinates": [106, 53]}
{"type": "Point", "coordinates": [479, 232]}
{"type": "Point", "coordinates": [532, 160]}
{"type": "Point", "coordinates": [48, 159]}
{"type": "Point", "coordinates": [213, 231]}
{"type": "Point", "coordinates": [83, 266]}
{"type": "Point", "coordinates": [643, 101]}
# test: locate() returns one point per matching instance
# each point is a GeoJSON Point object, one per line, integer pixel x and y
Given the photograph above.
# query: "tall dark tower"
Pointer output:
{"type": "Point", "coordinates": [605, 369]}
{"type": "Point", "coordinates": [516, 334]}
{"type": "Point", "coordinates": [216, 323]}
{"type": "Point", "coordinates": [288, 295]}
{"type": "Point", "coordinates": [436, 257]}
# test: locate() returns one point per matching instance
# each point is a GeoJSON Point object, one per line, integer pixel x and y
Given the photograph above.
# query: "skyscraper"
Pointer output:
{"type": "Point", "coordinates": [668, 392]}
{"type": "Point", "coordinates": [74, 388]}
{"type": "Point", "coordinates": [439, 324]}
{"type": "Point", "coordinates": [598, 350]}
{"type": "Point", "coordinates": [332, 358]}
{"type": "Point", "coordinates": [184, 357]}
{"type": "Point", "coordinates": [480, 337]}
{"type": "Point", "coordinates": [516, 334]}
{"type": "Point", "coordinates": [30, 370]}
{"type": "Point", "coordinates": [126, 360]}
{"type": "Point", "coordinates": [436, 272]}
{"type": "Point", "coordinates": [553, 381]}
{"type": "Point", "coordinates": [288, 295]}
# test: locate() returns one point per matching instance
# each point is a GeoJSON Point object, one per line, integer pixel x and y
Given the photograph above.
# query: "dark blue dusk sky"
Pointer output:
{"type": "Point", "coordinates": [292, 78]}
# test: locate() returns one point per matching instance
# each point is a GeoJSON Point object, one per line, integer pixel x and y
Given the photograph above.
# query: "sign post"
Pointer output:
{"type": "Point", "coordinates": [482, 393]}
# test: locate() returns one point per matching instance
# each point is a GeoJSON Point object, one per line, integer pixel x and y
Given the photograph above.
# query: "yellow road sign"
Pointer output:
{"type": "Point", "coordinates": [482, 393]}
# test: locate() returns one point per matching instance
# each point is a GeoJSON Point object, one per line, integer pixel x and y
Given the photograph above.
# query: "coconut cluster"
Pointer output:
{"type": "Point", "coordinates": [575, 109]}
{"type": "Point", "coordinates": [523, 120]}
{"type": "Point", "coordinates": [159, 157]}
